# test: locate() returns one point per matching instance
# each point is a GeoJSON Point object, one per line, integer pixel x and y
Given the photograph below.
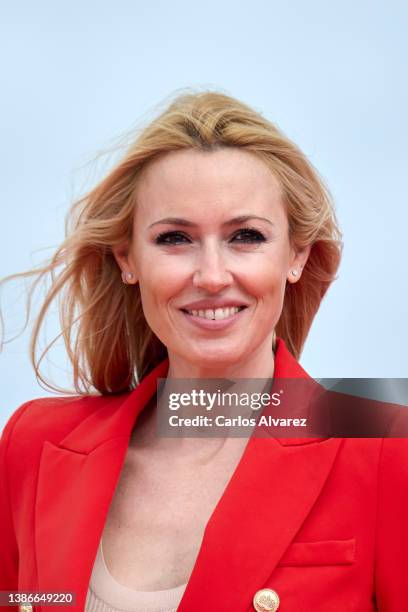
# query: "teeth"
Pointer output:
{"type": "Point", "coordinates": [217, 314]}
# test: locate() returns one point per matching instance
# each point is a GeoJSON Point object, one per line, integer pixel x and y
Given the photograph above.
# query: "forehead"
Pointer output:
{"type": "Point", "coordinates": [215, 182]}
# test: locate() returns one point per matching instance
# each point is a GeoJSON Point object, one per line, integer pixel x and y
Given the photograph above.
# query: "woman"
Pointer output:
{"type": "Point", "coordinates": [205, 253]}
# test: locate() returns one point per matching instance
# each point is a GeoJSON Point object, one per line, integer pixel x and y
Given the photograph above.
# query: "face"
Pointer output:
{"type": "Point", "coordinates": [211, 226]}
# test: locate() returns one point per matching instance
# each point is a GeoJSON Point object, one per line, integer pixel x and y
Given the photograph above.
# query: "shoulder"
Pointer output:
{"type": "Point", "coordinates": [48, 418]}
{"type": "Point", "coordinates": [388, 454]}
{"type": "Point", "coordinates": [391, 542]}
{"type": "Point", "coordinates": [35, 422]}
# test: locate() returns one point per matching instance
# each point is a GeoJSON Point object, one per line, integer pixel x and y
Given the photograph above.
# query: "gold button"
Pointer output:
{"type": "Point", "coordinates": [266, 600]}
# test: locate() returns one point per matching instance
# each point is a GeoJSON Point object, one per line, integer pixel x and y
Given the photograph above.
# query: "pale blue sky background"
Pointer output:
{"type": "Point", "coordinates": [332, 76]}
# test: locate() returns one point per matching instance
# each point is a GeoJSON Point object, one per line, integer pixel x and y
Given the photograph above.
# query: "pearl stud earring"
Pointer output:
{"type": "Point", "coordinates": [126, 277]}
{"type": "Point", "coordinates": [294, 272]}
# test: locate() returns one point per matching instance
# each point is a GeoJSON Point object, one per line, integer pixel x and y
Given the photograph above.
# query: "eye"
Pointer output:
{"type": "Point", "coordinates": [250, 235]}
{"type": "Point", "coordinates": [245, 235]}
{"type": "Point", "coordinates": [169, 238]}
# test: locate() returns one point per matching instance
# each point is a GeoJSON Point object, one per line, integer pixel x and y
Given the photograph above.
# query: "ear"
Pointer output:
{"type": "Point", "coordinates": [125, 263]}
{"type": "Point", "coordinates": [298, 261]}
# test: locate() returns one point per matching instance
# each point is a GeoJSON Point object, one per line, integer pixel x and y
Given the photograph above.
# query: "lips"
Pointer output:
{"type": "Point", "coordinates": [213, 324]}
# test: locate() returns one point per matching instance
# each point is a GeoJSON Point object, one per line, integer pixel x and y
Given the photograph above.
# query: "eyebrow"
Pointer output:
{"type": "Point", "coordinates": [186, 223]}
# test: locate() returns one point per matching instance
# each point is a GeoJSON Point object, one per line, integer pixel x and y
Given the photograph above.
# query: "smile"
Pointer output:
{"type": "Point", "coordinates": [218, 314]}
{"type": "Point", "coordinates": [217, 319]}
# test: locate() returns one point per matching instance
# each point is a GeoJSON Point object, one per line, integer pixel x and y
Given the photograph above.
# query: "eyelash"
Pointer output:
{"type": "Point", "coordinates": [247, 230]}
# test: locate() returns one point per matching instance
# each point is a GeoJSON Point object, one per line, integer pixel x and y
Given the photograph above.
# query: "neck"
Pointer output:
{"type": "Point", "coordinates": [258, 365]}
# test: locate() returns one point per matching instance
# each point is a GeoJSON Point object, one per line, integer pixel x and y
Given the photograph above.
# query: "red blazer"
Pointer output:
{"type": "Point", "coordinates": [323, 522]}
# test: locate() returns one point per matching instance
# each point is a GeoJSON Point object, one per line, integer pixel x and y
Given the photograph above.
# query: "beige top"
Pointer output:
{"type": "Point", "coordinates": [105, 594]}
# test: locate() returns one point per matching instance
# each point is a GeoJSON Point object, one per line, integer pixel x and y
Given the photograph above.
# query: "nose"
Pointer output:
{"type": "Point", "coordinates": [212, 272]}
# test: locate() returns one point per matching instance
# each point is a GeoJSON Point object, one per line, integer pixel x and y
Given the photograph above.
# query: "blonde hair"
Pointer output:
{"type": "Point", "coordinates": [113, 347]}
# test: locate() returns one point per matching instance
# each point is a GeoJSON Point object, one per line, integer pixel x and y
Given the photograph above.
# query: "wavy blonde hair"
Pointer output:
{"type": "Point", "coordinates": [108, 341]}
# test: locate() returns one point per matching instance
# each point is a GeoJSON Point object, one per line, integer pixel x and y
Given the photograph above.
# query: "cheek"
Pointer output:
{"type": "Point", "coordinates": [160, 280]}
{"type": "Point", "coordinates": [267, 282]}
{"type": "Point", "coordinates": [268, 289]}
{"type": "Point", "coordinates": [266, 272]}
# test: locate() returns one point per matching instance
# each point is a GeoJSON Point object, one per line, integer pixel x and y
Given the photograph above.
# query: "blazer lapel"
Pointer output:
{"type": "Point", "coordinates": [76, 482]}
{"type": "Point", "coordinates": [264, 504]}
{"type": "Point", "coordinates": [270, 494]}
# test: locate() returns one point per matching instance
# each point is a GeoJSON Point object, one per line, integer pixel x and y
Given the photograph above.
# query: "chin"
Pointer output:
{"type": "Point", "coordinates": [212, 358]}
